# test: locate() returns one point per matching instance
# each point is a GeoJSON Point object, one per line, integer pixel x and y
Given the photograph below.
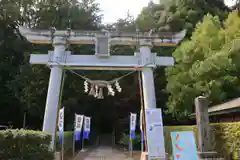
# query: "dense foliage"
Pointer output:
{"type": "Point", "coordinates": [24, 144]}
{"type": "Point", "coordinates": [207, 64]}
{"type": "Point", "coordinates": [176, 15]}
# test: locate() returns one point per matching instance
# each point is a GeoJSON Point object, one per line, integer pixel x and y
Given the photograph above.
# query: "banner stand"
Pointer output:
{"type": "Point", "coordinates": [82, 150]}
{"type": "Point", "coordinates": [130, 146]}
{"type": "Point", "coordinates": [62, 148]}
{"type": "Point", "coordinates": [73, 154]}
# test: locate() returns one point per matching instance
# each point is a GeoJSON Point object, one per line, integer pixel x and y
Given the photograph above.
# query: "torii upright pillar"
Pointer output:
{"type": "Point", "coordinates": [147, 77]}
{"type": "Point", "coordinates": [52, 102]}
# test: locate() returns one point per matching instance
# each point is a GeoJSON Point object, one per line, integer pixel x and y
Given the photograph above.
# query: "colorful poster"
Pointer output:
{"type": "Point", "coordinates": [87, 127]}
{"type": "Point", "coordinates": [155, 137]}
{"type": "Point", "coordinates": [61, 125]}
{"type": "Point", "coordinates": [78, 126]}
{"type": "Point", "coordinates": [133, 121]}
{"type": "Point", "coordinates": [184, 146]}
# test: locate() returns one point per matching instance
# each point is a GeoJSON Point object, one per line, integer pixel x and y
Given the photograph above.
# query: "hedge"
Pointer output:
{"type": "Point", "coordinates": [226, 138]}
{"type": "Point", "coordinates": [24, 145]}
{"type": "Point", "coordinates": [68, 141]}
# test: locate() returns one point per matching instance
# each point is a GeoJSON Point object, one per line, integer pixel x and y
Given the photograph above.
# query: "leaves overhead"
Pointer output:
{"type": "Point", "coordinates": [176, 15]}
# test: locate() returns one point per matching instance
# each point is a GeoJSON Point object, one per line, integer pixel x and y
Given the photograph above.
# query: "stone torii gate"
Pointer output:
{"type": "Point", "coordinates": [102, 60]}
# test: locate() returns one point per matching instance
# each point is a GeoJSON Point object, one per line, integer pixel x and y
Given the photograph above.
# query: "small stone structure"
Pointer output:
{"type": "Point", "coordinates": [205, 146]}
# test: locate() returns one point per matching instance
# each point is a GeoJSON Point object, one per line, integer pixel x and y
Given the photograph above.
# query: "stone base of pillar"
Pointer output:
{"type": "Point", "coordinates": [144, 156]}
{"type": "Point", "coordinates": [57, 156]}
{"type": "Point", "coordinates": [209, 156]}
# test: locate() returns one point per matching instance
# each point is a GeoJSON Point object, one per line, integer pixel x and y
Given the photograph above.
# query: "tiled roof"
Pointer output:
{"type": "Point", "coordinates": [225, 106]}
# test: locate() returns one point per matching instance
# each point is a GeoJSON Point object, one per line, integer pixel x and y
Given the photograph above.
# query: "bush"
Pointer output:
{"type": "Point", "coordinates": [25, 145]}
{"type": "Point", "coordinates": [68, 141]}
{"type": "Point", "coordinates": [226, 137]}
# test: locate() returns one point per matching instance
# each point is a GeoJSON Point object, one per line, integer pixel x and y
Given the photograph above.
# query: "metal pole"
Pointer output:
{"type": "Point", "coordinates": [82, 144]}
{"type": "Point", "coordinates": [113, 136]}
{"type": "Point", "coordinates": [74, 136]}
{"type": "Point", "coordinates": [82, 150]}
{"type": "Point", "coordinates": [73, 144]}
{"type": "Point", "coordinates": [63, 147]}
{"type": "Point", "coordinates": [130, 144]}
{"type": "Point", "coordinates": [142, 144]}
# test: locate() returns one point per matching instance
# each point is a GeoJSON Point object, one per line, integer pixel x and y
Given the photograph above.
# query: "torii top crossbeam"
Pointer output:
{"type": "Point", "coordinates": [102, 40]}
{"type": "Point", "coordinates": [89, 37]}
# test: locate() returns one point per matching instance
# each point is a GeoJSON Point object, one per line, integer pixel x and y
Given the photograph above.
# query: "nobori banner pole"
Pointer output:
{"type": "Point", "coordinates": [82, 144]}
{"type": "Point", "coordinates": [62, 148]}
{"type": "Point", "coordinates": [51, 110]}
{"type": "Point", "coordinates": [82, 150]}
{"type": "Point", "coordinates": [130, 145]}
{"type": "Point", "coordinates": [74, 135]}
{"type": "Point", "coordinates": [73, 144]}
{"type": "Point", "coordinates": [130, 137]}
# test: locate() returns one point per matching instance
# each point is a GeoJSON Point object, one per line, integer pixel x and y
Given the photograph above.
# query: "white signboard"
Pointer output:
{"type": "Point", "coordinates": [155, 137]}
{"type": "Point", "coordinates": [133, 119]}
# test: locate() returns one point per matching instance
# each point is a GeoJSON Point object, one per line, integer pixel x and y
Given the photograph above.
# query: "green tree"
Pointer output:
{"type": "Point", "coordinates": [29, 83]}
{"type": "Point", "coordinates": [205, 65]}
{"type": "Point", "coordinates": [177, 15]}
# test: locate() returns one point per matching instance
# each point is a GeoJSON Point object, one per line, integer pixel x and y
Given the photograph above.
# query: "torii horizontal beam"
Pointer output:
{"type": "Point", "coordinates": [90, 62]}
{"type": "Point", "coordinates": [89, 37]}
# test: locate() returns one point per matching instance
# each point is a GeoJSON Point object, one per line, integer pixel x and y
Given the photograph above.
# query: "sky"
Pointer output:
{"type": "Point", "coordinates": [115, 9]}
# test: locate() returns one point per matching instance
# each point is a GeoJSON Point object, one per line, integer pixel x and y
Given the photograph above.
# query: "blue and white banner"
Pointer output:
{"type": "Point", "coordinates": [61, 125]}
{"type": "Point", "coordinates": [133, 119]}
{"type": "Point", "coordinates": [141, 126]}
{"type": "Point", "coordinates": [87, 127]}
{"type": "Point", "coordinates": [78, 126]}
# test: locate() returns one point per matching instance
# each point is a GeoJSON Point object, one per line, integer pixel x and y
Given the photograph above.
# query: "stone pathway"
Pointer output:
{"type": "Point", "coordinates": [103, 153]}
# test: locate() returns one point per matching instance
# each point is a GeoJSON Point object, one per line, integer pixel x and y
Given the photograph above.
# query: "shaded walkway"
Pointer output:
{"type": "Point", "coordinates": [103, 153]}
